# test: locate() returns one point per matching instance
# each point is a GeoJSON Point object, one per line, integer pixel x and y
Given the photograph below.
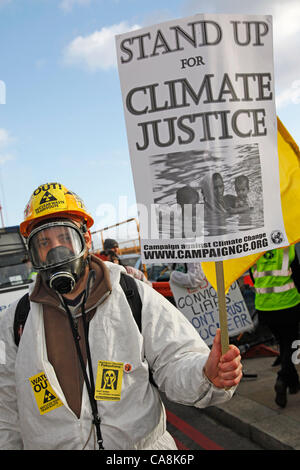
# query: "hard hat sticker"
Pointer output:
{"type": "Point", "coordinates": [109, 381]}
{"type": "Point", "coordinates": [47, 197]}
{"type": "Point", "coordinates": [79, 201]}
{"type": "Point", "coordinates": [44, 394]}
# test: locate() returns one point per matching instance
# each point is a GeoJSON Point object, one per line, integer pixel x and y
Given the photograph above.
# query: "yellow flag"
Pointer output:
{"type": "Point", "coordinates": [289, 173]}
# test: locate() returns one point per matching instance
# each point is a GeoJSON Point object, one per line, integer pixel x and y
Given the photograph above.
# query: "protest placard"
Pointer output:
{"type": "Point", "coordinates": [200, 306]}
{"type": "Point", "coordinates": [198, 96]}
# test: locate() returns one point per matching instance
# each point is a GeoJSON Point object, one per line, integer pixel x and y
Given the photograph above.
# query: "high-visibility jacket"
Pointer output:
{"type": "Point", "coordinates": [274, 286]}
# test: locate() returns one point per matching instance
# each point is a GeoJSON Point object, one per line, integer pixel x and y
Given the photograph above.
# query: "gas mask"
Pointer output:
{"type": "Point", "coordinates": [57, 251]}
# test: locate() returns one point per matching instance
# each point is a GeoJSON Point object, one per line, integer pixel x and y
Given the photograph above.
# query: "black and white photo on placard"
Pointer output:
{"type": "Point", "coordinates": [208, 192]}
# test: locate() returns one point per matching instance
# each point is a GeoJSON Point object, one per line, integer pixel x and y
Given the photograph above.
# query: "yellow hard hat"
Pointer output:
{"type": "Point", "coordinates": [53, 200]}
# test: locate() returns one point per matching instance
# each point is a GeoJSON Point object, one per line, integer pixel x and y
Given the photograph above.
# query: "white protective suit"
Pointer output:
{"type": "Point", "coordinates": [172, 347]}
{"type": "Point", "coordinates": [194, 277]}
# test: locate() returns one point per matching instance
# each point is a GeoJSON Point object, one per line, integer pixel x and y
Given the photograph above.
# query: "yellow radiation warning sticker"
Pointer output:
{"type": "Point", "coordinates": [109, 381]}
{"type": "Point", "coordinates": [45, 396]}
{"type": "Point", "coordinates": [49, 196]}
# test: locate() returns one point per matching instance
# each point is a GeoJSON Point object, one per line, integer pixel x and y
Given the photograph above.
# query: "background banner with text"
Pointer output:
{"type": "Point", "coordinates": [200, 306]}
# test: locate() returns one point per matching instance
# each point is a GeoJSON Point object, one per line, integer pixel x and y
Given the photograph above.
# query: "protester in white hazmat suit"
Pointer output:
{"type": "Point", "coordinates": [79, 377]}
{"type": "Point", "coordinates": [192, 277]}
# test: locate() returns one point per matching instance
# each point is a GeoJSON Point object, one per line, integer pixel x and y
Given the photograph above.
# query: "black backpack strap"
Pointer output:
{"type": "Point", "coordinates": [21, 314]}
{"type": "Point", "coordinates": [128, 284]}
{"type": "Point", "coordinates": [130, 289]}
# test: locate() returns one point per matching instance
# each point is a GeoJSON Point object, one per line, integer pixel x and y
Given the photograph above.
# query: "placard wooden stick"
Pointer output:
{"type": "Point", "coordinates": [222, 306]}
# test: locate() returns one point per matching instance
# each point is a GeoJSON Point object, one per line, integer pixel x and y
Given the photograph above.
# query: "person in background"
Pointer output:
{"type": "Point", "coordinates": [276, 278]}
{"type": "Point", "coordinates": [111, 244]}
{"type": "Point", "coordinates": [192, 276]}
{"type": "Point", "coordinates": [110, 250]}
{"type": "Point", "coordinates": [111, 253]}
